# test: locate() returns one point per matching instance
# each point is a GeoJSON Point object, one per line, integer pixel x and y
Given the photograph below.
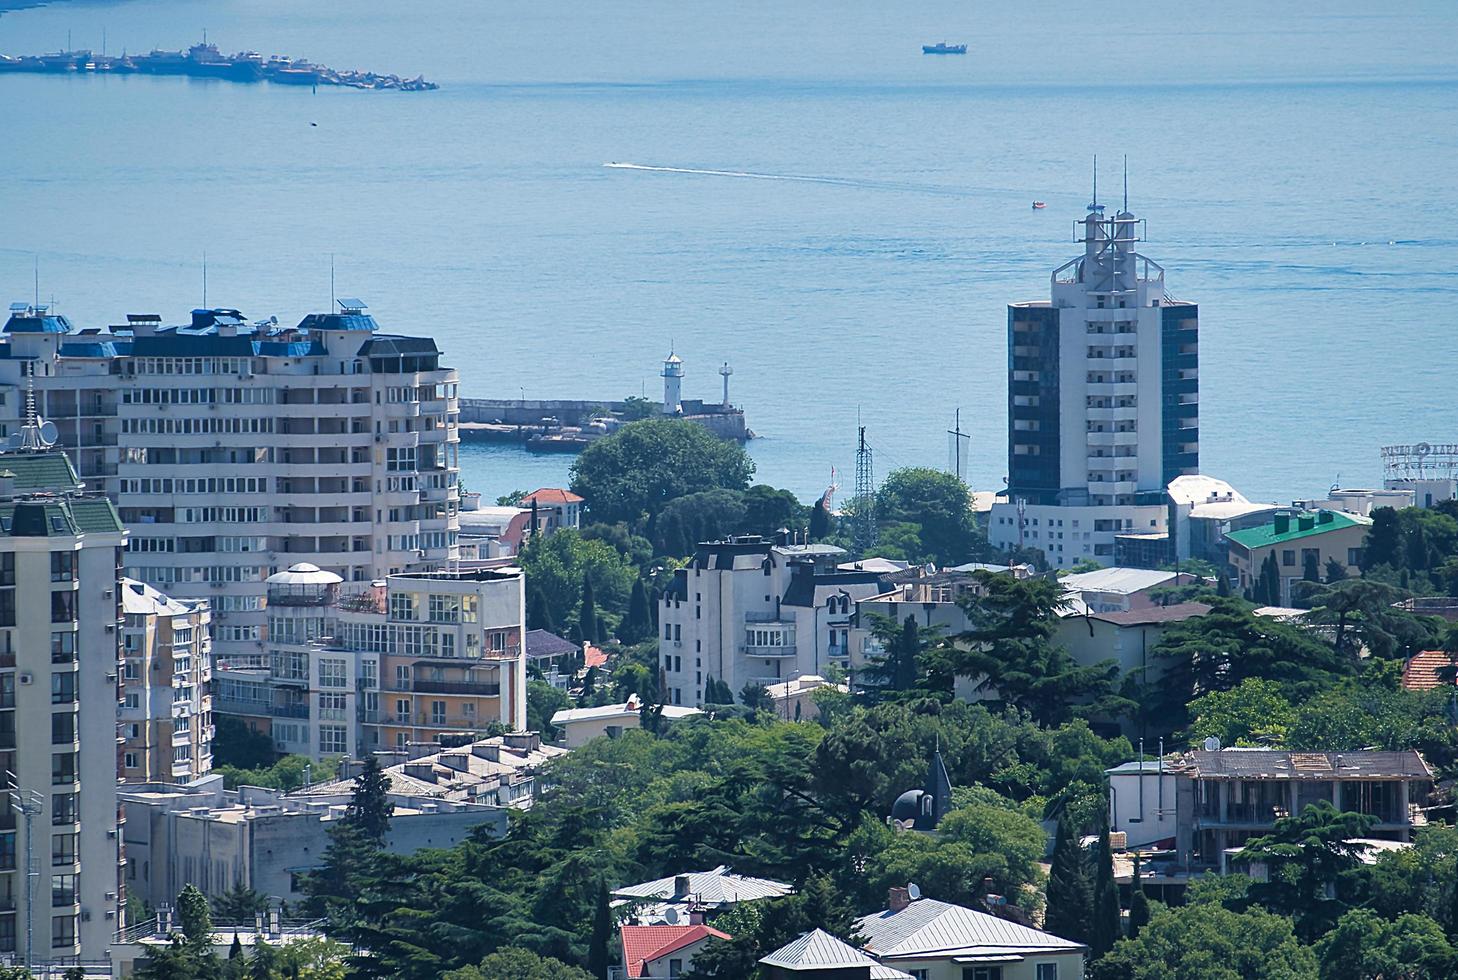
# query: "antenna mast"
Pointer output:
{"type": "Point", "coordinates": [959, 469]}
{"type": "Point", "coordinates": [1126, 182]}
{"type": "Point", "coordinates": [863, 532]}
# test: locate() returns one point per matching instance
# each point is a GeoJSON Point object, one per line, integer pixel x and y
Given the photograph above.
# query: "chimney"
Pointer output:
{"type": "Point", "coordinates": [680, 886]}
{"type": "Point", "coordinates": [523, 741]}
{"type": "Point", "coordinates": [897, 899]}
{"type": "Point", "coordinates": [490, 751]}
{"type": "Point", "coordinates": [696, 917]}
{"type": "Point", "coordinates": [456, 761]}
{"type": "Point", "coordinates": [420, 770]}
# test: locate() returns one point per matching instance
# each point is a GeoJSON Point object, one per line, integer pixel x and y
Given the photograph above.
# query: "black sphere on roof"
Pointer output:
{"type": "Point", "coordinates": [907, 807]}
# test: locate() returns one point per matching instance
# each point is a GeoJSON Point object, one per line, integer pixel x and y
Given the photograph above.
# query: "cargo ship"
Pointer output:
{"type": "Point", "coordinates": [943, 48]}
{"type": "Point", "coordinates": [207, 61]}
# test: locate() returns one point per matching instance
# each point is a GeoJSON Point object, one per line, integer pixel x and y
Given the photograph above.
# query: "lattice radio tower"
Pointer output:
{"type": "Point", "coordinates": [864, 527]}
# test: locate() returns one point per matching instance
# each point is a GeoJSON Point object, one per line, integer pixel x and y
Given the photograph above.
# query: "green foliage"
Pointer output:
{"type": "Point", "coordinates": [1070, 888]}
{"type": "Point", "coordinates": [755, 697]}
{"type": "Point", "coordinates": [714, 514]}
{"type": "Point", "coordinates": [898, 671]}
{"type": "Point", "coordinates": [514, 963]}
{"type": "Point", "coordinates": [1105, 928]}
{"type": "Point", "coordinates": [1138, 901]}
{"type": "Point", "coordinates": [1309, 864]}
{"type": "Point", "coordinates": [544, 701]}
{"type": "Point", "coordinates": [195, 917]}
{"type": "Point", "coordinates": [512, 499]}
{"type": "Point", "coordinates": [237, 746]}
{"type": "Point", "coordinates": [939, 506]}
{"type": "Point", "coordinates": [285, 774]}
{"type": "Point", "coordinates": [1014, 841]}
{"type": "Point", "coordinates": [238, 904]}
{"type": "Point", "coordinates": [1364, 616]}
{"type": "Point", "coordinates": [634, 472]}
{"type": "Point", "coordinates": [602, 934]}
{"type": "Point", "coordinates": [370, 808]}
{"type": "Point", "coordinates": [637, 625]}
{"type": "Point", "coordinates": [774, 922]}
{"type": "Point", "coordinates": [636, 408]}
{"type": "Point", "coordinates": [587, 627]}
{"type": "Point", "coordinates": [822, 523]}
{"type": "Point", "coordinates": [1209, 942]}
{"type": "Point", "coordinates": [556, 566]}
{"type": "Point", "coordinates": [1254, 713]}
{"type": "Point", "coordinates": [1363, 946]}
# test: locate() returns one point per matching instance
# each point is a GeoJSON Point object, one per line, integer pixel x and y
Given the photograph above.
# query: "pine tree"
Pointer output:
{"type": "Point", "coordinates": [587, 618]}
{"type": "Point", "coordinates": [539, 614]}
{"type": "Point", "coordinates": [1310, 570]}
{"type": "Point", "coordinates": [1138, 901]}
{"type": "Point", "coordinates": [370, 807]}
{"type": "Point", "coordinates": [820, 521]}
{"type": "Point", "coordinates": [1105, 931]}
{"type": "Point", "coordinates": [1417, 548]}
{"type": "Point", "coordinates": [1335, 571]}
{"type": "Point", "coordinates": [236, 949]}
{"type": "Point", "coordinates": [637, 625]}
{"type": "Point", "coordinates": [1070, 893]}
{"type": "Point", "coordinates": [1222, 584]}
{"type": "Point", "coordinates": [602, 932]}
{"type": "Point", "coordinates": [1384, 540]}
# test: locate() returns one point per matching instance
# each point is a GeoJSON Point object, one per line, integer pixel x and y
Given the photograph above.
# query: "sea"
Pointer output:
{"type": "Point", "coordinates": [788, 186]}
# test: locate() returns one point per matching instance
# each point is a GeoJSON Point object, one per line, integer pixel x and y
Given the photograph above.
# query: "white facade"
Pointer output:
{"type": "Point", "coordinates": [59, 616]}
{"type": "Point", "coordinates": [234, 449]}
{"type": "Point", "coordinates": [1070, 534]}
{"type": "Point", "coordinates": [747, 611]}
{"type": "Point", "coordinates": [167, 672]}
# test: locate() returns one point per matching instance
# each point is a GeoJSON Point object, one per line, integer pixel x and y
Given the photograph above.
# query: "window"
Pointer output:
{"type": "Point", "coordinates": [63, 606]}
{"type": "Point", "coordinates": [470, 608]}
{"type": "Point", "coordinates": [1288, 557]}
{"type": "Point", "coordinates": [981, 973]}
{"type": "Point", "coordinates": [63, 890]}
{"type": "Point", "coordinates": [63, 687]}
{"type": "Point", "coordinates": [444, 608]}
{"type": "Point", "coordinates": [63, 932]}
{"type": "Point", "coordinates": [129, 761]}
{"type": "Point", "coordinates": [333, 740]}
{"type": "Point", "coordinates": [332, 672]}
{"type": "Point", "coordinates": [918, 975]}
{"type": "Point", "coordinates": [63, 648]}
{"type": "Point", "coordinates": [63, 728]}
{"type": "Point", "coordinates": [1047, 971]}
{"type": "Point", "coordinates": [63, 849]}
{"type": "Point", "coordinates": [7, 568]}
{"type": "Point", "coordinates": [63, 807]}
{"type": "Point", "coordinates": [63, 768]}
{"type": "Point", "coordinates": [1354, 556]}
{"type": "Point", "coordinates": [405, 606]}
{"type": "Point", "coordinates": [437, 712]}
{"type": "Point", "coordinates": [63, 566]}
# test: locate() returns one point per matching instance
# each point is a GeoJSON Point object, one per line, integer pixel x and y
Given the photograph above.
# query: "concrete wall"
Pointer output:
{"type": "Point", "coordinates": [1070, 967]}
{"type": "Point", "coordinates": [724, 423]}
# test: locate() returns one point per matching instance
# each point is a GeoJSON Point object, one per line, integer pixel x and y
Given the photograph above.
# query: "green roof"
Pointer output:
{"type": "Point", "coordinates": [40, 471]}
{"type": "Point", "coordinates": [95, 514]}
{"type": "Point", "coordinates": [1298, 526]}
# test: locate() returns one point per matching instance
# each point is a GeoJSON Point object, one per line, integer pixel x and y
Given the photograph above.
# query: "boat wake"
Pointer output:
{"type": "Point", "coordinates": [742, 174]}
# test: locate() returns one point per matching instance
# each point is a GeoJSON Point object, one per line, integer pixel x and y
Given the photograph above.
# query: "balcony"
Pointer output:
{"type": "Point", "coordinates": [289, 710]}
{"type": "Point", "coordinates": [479, 688]}
{"type": "Point", "coordinates": [767, 652]}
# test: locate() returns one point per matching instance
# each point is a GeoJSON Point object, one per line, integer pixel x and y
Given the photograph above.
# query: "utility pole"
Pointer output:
{"type": "Point", "coordinates": [864, 531]}
{"type": "Point", "coordinates": [29, 803]}
{"type": "Point", "coordinates": [958, 469]}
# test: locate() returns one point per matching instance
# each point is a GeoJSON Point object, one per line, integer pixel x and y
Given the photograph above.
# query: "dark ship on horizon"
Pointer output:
{"type": "Point", "coordinates": [205, 60]}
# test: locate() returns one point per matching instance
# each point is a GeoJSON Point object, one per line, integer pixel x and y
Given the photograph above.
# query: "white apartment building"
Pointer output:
{"type": "Point", "coordinates": [167, 672]}
{"type": "Point", "coordinates": [748, 610]}
{"type": "Point", "coordinates": [59, 686]}
{"type": "Point", "coordinates": [1103, 393]}
{"type": "Point", "coordinates": [355, 669]}
{"type": "Point", "coordinates": [235, 449]}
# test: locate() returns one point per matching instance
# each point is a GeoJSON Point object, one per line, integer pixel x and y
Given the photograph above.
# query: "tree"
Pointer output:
{"type": "Point", "coordinates": [1268, 582]}
{"type": "Point", "coordinates": [512, 499]}
{"type": "Point", "coordinates": [767, 510]}
{"type": "Point", "coordinates": [1106, 915]}
{"type": "Point", "coordinates": [1070, 892]}
{"type": "Point", "coordinates": [195, 918]}
{"type": "Point", "coordinates": [544, 701]}
{"type": "Point", "coordinates": [1365, 614]}
{"type": "Point", "coordinates": [1208, 942]}
{"type": "Point", "coordinates": [1254, 713]}
{"type": "Point", "coordinates": [709, 515]}
{"type": "Point", "coordinates": [1364, 946]}
{"type": "Point", "coordinates": [821, 523]}
{"type": "Point", "coordinates": [239, 904]}
{"type": "Point", "coordinates": [755, 696]}
{"type": "Point", "coordinates": [539, 614]}
{"type": "Point", "coordinates": [514, 963]}
{"type": "Point", "coordinates": [237, 745]}
{"type": "Point", "coordinates": [1138, 900]}
{"type": "Point", "coordinates": [637, 470]}
{"type": "Point", "coordinates": [587, 612]}
{"type": "Point", "coordinates": [940, 505]}
{"type": "Point", "coordinates": [370, 807]}
{"type": "Point", "coordinates": [602, 934]}
{"type": "Point", "coordinates": [1335, 571]}
{"type": "Point", "coordinates": [556, 564]}
{"type": "Point", "coordinates": [1014, 839]}
{"type": "Point", "coordinates": [1310, 568]}
{"type": "Point", "coordinates": [1307, 858]}
{"type": "Point", "coordinates": [637, 625]}
{"type": "Point", "coordinates": [1383, 545]}
{"type": "Point", "coordinates": [898, 670]}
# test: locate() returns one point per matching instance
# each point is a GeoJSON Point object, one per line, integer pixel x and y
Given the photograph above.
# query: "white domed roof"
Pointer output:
{"type": "Point", "coordinates": [304, 573]}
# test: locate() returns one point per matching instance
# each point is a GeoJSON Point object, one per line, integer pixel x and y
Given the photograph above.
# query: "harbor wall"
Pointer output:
{"type": "Point", "coordinates": [725, 422]}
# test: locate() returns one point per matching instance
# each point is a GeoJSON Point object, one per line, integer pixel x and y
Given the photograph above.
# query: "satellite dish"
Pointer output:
{"type": "Point", "coordinates": [49, 433]}
{"type": "Point", "coordinates": [914, 891]}
{"type": "Point", "coordinates": [671, 916]}
{"type": "Point", "coordinates": [1212, 744]}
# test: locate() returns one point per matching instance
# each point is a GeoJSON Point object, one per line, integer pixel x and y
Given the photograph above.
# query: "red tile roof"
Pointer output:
{"type": "Point", "coordinates": [650, 942]}
{"type": "Point", "coordinates": [593, 656]}
{"type": "Point", "coordinates": [551, 497]}
{"type": "Point", "coordinates": [1421, 672]}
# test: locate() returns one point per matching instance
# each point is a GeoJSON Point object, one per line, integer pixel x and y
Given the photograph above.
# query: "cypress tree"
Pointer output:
{"type": "Point", "coordinates": [637, 625]}
{"type": "Point", "coordinates": [1222, 584]}
{"type": "Point", "coordinates": [587, 618]}
{"type": "Point", "coordinates": [1138, 902]}
{"type": "Point", "coordinates": [602, 931]}
{"type": "Point", "coordinates": [370, 808]}
{"type": "Point", "coordinates": [1417, 547]}
{"type": "Point", "coordinates": [1105, 930]}
{"type": "Point", "coordinates": [1383, 545]}
{"type": "Point", "coordinates": [819, 521]}
{"type": "Point", "coordinates": [1070, 893]}
{"type": "Point", "coordinates": [1310, 571]}
{"type": "Point", "coordinates": [539, 614]}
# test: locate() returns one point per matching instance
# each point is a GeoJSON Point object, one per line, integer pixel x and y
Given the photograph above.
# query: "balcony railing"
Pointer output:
{"type": "Point", "coordinates": [289, 710]}
{"type": "Point", "coordinates": [482, 688]}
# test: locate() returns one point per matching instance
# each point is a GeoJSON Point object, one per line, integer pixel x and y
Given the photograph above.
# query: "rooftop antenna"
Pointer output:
{"type": "Point", "coordinates": [37, 280]}
{"type": "Point", "coordinates": [331, 280]}
{"type": "Point", "coordinates": [1096, 182]}
{"type": "Point", "coordinates": [957, 438]}
{"type": "Point", "coordinates": [1126, 182]}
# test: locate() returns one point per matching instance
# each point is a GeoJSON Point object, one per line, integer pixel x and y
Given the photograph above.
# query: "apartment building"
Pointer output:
{"type": "Point", "coordinates": [749, 610]}
{"type": "Point", "coordinates": [1103, 393]}
{"type": "Point", "coordinates": [353, 669]}
{"type": "Point", "coordinates": [1296, 540]}
{"type": "Point", "coordinates": [59, 655]}
{"type": "Point", "coordinates": [234, 449]}
{"type": "Point", "coordinates": [167, 672]}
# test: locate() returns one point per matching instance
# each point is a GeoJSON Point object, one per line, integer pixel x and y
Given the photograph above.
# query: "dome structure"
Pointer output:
{"type": "Point", "coordinates": [304, 573]}
{"type": "Point", "coordinates": [923, 809]}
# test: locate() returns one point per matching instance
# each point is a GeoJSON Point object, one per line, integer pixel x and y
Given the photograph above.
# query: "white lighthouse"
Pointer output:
{"type": "Point", "coordinates": [672, 384]}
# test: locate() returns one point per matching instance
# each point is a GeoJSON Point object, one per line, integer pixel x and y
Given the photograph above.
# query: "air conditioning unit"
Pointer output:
{"type": "Point", "coordinates": [26, 678]}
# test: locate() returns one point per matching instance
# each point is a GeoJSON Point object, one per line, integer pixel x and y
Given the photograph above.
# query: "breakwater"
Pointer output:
{"type": "Point", "coordinates": [568, 425]}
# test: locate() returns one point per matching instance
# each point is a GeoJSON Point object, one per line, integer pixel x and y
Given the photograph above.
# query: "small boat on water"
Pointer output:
{"type": "Point", "coordinates": [1038, 205]}
{"type": "Point", "coordinates": [944, 48]}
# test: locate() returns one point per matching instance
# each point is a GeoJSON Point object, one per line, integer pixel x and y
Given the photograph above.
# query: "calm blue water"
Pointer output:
{"type": "Point", "coordinates": [1296, 164]}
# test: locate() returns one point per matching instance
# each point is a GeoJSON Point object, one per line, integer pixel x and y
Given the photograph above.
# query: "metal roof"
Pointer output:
{"type": "Point", "coordinates": [927, 926]}
{"type": "Point", "coordinates": [1297, 526]}
{"type": "Point", "coordinates": [1118, 580]}
{"type": "Point", "coordinates": [718, 887]}
{"type": "Point", "coordinates": [819, 950]}
{"type": "Point", "coordinates": [1238, 763]}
